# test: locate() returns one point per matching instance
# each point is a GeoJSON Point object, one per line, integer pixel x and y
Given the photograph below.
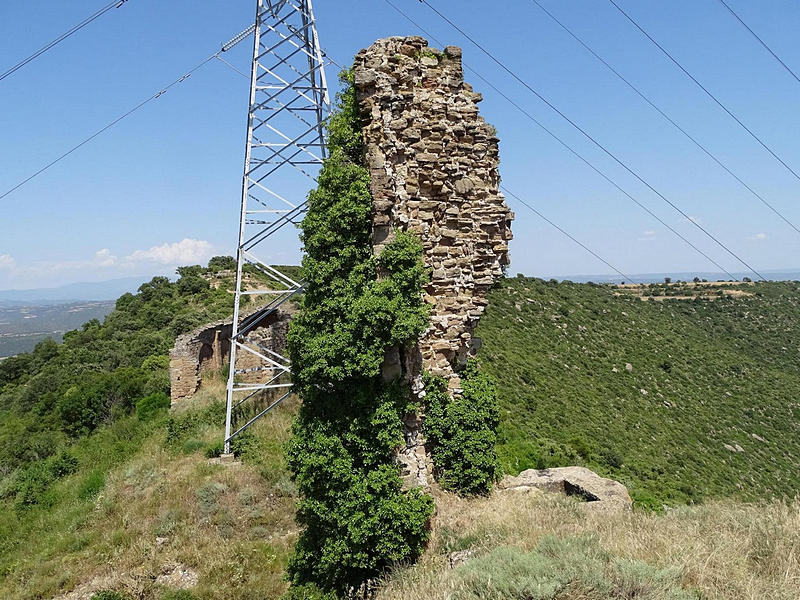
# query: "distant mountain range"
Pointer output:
{"type": "Point", "coordinates": [30, 316]}
{"type": "Point", "coordinates": [73, 292]}
{"type": "Point", "coordinates": [114, 288]}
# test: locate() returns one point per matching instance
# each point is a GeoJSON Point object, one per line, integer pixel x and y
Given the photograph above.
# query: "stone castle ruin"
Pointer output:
{"type": "Point", "coordinates": [207, 349]}
{"type": "Point", "coordinates": [434, 168]}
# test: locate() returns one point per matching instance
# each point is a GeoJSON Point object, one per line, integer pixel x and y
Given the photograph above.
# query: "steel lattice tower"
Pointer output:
{"type": "Point", "coordinates": [285, 147]}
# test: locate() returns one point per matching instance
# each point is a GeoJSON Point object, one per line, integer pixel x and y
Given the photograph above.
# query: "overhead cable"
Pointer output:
{"type": "Point", "coordinates": [63, 36]}
{"type": "Point", "coordinates": [592, 139]}
{"type": "Point", "coordinates": [666, 116]}
{"type": "Point", "coordinates": [760, 41]}
{"type": "Point", "coordinates": [569, 148]}
{"type": "Point", "coordinates": [707, 92]}
{"type": "Point", "coordinates": [567, 234]}
{"type": "Point", "coordinates": [85, 141]}
{"type": "Point", "coordinates": [502, 187]}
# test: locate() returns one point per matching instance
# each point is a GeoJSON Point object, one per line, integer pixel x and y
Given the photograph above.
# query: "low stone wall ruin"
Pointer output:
{"type": "Point", "coordinates": [208, 347]}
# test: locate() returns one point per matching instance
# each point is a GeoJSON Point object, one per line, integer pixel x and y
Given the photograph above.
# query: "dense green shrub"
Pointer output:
{"type": "Point", "coordinates": [181, 427]}
{"type": "Point", "coordinates": [215, 450]}
{"type": "Point", "coordinates": [356, 519]}
{"type": "Point", "coordinates": [150, 406]}
{"type": "Point", "coordinates": [221, 263]}
{"type": "Point", "coordinates": [463, 431]}
{"type": "Point", "coordinates": [92, 484]}
{"type": "Point", "coordinates": [55, 396]}
{"type": "Point", "coordinates": [30, 484]}
{"type": "Point", "coordinates": [308, 592]}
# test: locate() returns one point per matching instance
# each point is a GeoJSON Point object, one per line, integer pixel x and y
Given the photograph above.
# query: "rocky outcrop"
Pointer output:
{"type": "Point", "coordinates": [208, 347]}
{"type": "Point", "coordinates": [598, 492]}
{"type": "Point", "coordinates": [433, 165]}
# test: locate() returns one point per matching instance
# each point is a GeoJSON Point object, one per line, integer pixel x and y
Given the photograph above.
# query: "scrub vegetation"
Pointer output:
{"type": "Point", "coordinates": [680, 400]}
{"type": "Point", "coordinates": [129, 505]}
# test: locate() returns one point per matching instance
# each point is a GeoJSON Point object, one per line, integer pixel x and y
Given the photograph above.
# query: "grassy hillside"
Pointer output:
{"type": "Point", "coordinates": [146, 514]}
{"type": "Point", "coordinates": [680, 399]}
{"type": "Point", "coordinates": [101, 489]}
{"type": "Point", "coordinates": [113, 493]}
{"type": "Point", "coordinates": [543, 547]}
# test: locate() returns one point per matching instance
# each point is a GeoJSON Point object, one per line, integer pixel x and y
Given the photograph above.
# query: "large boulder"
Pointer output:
{"type": "Point", "coordinates": [598, 492]}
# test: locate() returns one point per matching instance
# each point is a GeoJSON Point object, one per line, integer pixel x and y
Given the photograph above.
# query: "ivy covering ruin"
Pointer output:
{"type": "Point", "coordinates": [404, 236]}
{"type": "Point", "coordinates": [357, 519]}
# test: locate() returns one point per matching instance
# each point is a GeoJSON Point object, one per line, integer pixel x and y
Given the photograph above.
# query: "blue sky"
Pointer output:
{"type": "Point", "coordinates": [162, 187]}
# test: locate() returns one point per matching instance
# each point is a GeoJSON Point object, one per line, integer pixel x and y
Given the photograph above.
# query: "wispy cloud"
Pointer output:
{"type": "Point", "coordinates": [103, 264]}
{"type": "Point", "coordinates": [178, 253]}
{"type": "Point", "coordinates": [648, 235]}
{"type": "Point", "coordinates": [7, 261]}
{"type": "Point", "coordinates": [104, 258]}
{"type": "Point", "coordinates": [757, 236]}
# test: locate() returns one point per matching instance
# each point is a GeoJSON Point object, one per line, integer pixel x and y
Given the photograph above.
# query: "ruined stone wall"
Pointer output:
{"type": "Point", "coordinates": [433, 164]}
{"type": "Point", "coordinates": [208, 347]}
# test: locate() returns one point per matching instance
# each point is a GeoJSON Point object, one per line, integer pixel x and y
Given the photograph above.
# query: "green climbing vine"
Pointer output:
{"type": "Point", "coordinates": [356, 518]}
{"type": "Point", "coordinates": [462, 431]}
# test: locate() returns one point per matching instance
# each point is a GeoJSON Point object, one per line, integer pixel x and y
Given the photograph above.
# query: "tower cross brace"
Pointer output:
{"type": "Point", "coordinates": [284, 149]}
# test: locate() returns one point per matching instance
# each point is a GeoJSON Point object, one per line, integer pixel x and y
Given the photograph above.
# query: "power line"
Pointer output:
{"type": "Point", "coordinates": [63, 36]}
{"type": "Point", "coordinates": [593, 140]}
{"type": "Point", "coordinates": [567, 234]}
{"type": "Point", "coordinates": [156, 95]}
{"type": "Point", "coordinates": [666, 116]}
{"type": "Point", "coordinates": [570, 149]}
{"type": "Point", "coordinates": [708, 93]}
{"type": "Point", "coordinates": [762, 42]}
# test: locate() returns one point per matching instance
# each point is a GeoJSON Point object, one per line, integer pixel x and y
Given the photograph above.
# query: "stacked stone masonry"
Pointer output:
{"type": "Point", "coordinates": [434, 167]}
{"type": "Point", "coordinates": [207, 349]}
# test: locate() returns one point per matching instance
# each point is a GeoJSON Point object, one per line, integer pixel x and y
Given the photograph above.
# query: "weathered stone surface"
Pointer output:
{"type": "Point", "coordinates": [208, 347]}
{"type": "Point", "coordinates": [434, 170]}
{"type": "Point", "coordinates": [598, 492]}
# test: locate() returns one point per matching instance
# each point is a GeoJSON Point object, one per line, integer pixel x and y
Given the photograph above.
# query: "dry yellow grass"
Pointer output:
{"type": "Point", "coordinates": [720, 550]}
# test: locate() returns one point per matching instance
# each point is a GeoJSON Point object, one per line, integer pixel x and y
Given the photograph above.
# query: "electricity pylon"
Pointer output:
{"type": "Point", "coordinates": [285, 146]}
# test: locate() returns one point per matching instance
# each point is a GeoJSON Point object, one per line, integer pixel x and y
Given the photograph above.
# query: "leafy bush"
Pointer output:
{"type": "Point", "coordinates": [221, 263]}
{"type": "Point", "coordinates": [92, 484]}
{"type": "Point", "coordinates": [308, 592]}
{"type": "Point", "coordinates": [149, 406]}
{"type": "Point", "coordinates": [30, 485]}
{"type": "Point", "coordinates": [463, 431]}
{"type": "Point", "coordinates": [181, 427]}
{"type": "Point", "coordinates": [356, 518]}
{"type": "Point", "coordinates": [215, 450]}
{"type": "Point", "coordinates": [60, 393]}
{"type": "Point", "coordinates": [62, 464]}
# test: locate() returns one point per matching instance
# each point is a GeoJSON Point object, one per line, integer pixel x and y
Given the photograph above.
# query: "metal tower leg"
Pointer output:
{"type": "Point", "coordinates": [288, 104]}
